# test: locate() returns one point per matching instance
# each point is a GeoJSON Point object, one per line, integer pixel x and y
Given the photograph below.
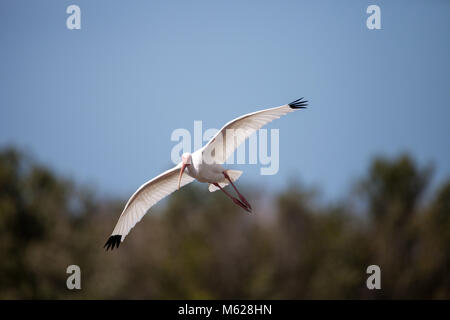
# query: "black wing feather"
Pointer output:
{"type": "Point", "coordinates": [113, 241]}
{"type": "Point", "coordinates": [298, 104]}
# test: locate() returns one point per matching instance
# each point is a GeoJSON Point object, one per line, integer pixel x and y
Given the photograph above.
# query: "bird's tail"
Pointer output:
{"type": "Point", "coordinates": [233, 174]}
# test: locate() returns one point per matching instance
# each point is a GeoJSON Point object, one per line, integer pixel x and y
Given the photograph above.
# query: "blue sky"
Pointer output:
{"type": "Point", "coordinates": [99, 104]}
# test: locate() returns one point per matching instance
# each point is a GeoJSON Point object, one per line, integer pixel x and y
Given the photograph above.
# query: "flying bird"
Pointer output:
{"type": "Point", "coordinates": [203, 165]}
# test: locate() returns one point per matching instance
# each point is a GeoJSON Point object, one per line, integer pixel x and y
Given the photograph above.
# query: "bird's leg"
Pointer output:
{"type": "Point", "coordinates": [235, 200]}
{"type": "Point", "coordinates": [238, 193]}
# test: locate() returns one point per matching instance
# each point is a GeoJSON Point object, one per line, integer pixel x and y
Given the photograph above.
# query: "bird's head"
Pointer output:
{"type": "Point", "coordinates": [186, 160]}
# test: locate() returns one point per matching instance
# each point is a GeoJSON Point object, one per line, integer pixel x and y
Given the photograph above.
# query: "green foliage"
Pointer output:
{"type": "Point", "coordinates": [200, 245]}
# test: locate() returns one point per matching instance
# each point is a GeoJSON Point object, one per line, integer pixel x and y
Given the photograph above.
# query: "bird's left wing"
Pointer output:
{"type": "Point", "coordinates": [142, 200]}
{"type": "Point", "coordinates": [226, 141]}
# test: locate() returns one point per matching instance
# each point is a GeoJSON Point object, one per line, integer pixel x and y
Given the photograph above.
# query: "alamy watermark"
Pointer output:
{"type": "Point", "coordinates": [262, 147]}
{"type": "Point", "coordinates": [73, 21]}
{"type": "Point", "coordinates": [74, 280]}
{"type": "Point", "coordinates": [374, 280]}
{"type": "Point", "coordinates": [373, 22]}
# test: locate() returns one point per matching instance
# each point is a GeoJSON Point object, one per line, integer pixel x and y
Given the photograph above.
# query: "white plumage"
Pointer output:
{"type": "Point", "coordinates": [146, 196]}
{"type": "Point", "coordinates": [230, 137]}
{"type": "Point", "coordinates": [204, 165]}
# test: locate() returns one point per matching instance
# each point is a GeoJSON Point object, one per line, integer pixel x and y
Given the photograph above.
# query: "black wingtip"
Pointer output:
{"type": "Point", "coordinates": [113, 241]}
{"type": "Point", "coordinates": [298, 104]}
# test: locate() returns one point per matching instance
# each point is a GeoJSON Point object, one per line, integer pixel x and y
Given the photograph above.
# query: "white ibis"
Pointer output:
{"type": "Point", "coordinates": [203, 165]}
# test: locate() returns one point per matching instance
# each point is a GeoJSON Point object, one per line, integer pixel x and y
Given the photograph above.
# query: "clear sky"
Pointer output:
{"type": "Point", "coordinates": [99, 104]}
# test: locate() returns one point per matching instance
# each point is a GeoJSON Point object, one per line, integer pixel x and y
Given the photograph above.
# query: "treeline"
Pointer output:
{"type": "Point", "coordinates": [200, 245]}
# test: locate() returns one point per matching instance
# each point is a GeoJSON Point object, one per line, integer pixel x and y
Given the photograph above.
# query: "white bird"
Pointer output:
{"type": "Point", "coordinates": [203, 165]}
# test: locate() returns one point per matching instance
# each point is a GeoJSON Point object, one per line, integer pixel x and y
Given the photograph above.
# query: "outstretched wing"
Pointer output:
{"type": "Point", "coordinates": [142, 200]}
{"type": "Point", "coordinates": [228, 139]}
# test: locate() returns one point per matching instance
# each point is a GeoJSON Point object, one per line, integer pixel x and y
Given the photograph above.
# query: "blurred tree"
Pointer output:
{"type": "Point", "coordinates": [394, 189]}
{"type": "Point", "coordinates": [200, 245]}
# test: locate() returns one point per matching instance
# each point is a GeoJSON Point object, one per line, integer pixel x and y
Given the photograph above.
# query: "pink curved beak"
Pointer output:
{"type": "Point", "coordinates": [183, 167]}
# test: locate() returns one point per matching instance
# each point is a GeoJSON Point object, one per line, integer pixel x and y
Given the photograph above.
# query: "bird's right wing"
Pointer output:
{"type": "Point", "coordinates": [142, 200]}
{"type": "Point", "coordinates": [228, 139]}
